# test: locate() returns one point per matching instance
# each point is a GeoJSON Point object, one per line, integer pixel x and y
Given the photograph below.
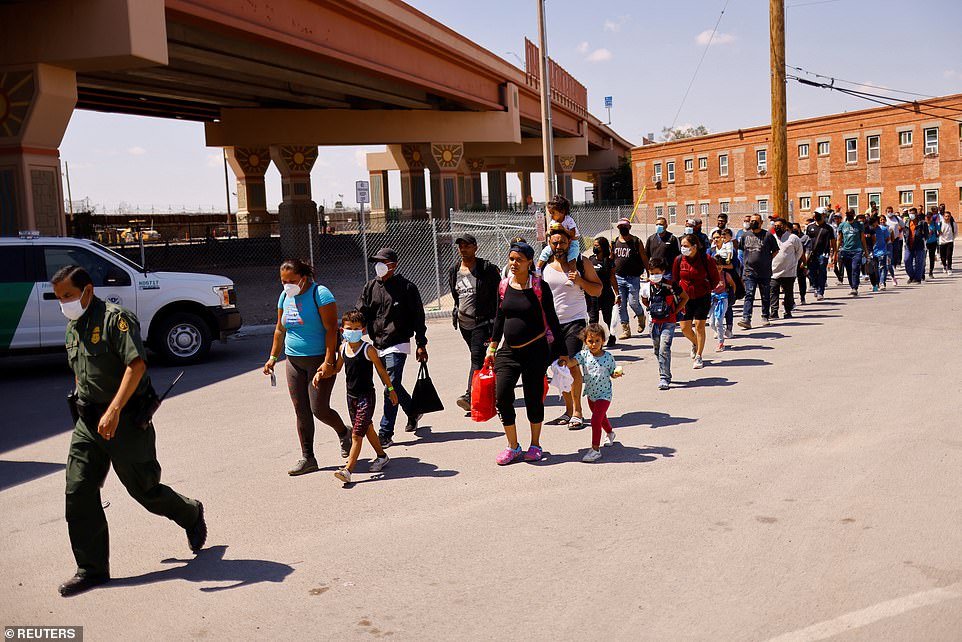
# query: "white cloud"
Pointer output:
{"type": "Point", "coordinates": [720, 38]}
{"type": "Point", "coordinates": [599, 55]}
{"type": "Point", "coordinates": [583, 47]}
{"type": "Point", "coordinates": [614, 25]}
{"type": "Point", "coordinates": [136, 151]}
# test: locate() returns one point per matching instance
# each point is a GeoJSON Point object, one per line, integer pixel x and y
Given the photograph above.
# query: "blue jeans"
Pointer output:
{"type": "Point", "coordinates": [394, 364]}
{"type": "Point", "coordinates": [883, 269]}
{"type": "Point", "coordinates": [915, 264]}
{"type": "Point", "coordinates": [764, 286]}
{"type": "Point", "coordinates": [818, 273]}
{"type": "Point", "coordinates": [853, 265]}
{"type": "Point", "coordinates": [662, 335]}
{"type": "Point", "coordinates": [628, 288]}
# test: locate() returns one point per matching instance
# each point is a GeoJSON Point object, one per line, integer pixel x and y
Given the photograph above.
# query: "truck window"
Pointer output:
{"type": "Point", "coordinates": [13, 265]}
{"type": "Point", "coordinates": [103, 272]}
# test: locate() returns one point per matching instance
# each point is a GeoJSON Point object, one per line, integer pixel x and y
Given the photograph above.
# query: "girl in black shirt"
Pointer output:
{"type": "Point", "coordinates": [603, 305]}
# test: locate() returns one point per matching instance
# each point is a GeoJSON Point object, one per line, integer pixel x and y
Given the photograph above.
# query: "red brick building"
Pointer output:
{"type": "Point", "coordinates": [900, 156]}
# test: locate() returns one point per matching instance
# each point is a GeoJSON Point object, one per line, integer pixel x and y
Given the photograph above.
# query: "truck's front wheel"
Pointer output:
{"type": "Point", "coordinates": [182, 338]}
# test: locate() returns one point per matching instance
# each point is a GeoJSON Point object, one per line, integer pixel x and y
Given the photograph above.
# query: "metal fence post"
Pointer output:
{"type": "Point", "coordinates": [310, 241]}
{"type": "Point", "coordinates": [437, 264]}
{"type": "Point", "coordinates": [367, 275]}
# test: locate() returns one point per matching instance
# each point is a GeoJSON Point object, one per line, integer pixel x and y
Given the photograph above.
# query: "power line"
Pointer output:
{"type": "Point", "coordinates": [697, 67]}
{"type": "Point", "coordinates": [876, 98]}
{"type": "Point", "coordinates": [863, 84]}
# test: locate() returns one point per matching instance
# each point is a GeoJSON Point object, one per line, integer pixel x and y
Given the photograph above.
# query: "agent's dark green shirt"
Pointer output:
{"type": "Point", "coordinates": [100, 346]}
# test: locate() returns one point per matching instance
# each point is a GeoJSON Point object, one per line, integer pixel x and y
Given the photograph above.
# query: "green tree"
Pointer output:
{"type": "Point", "coordinates": [617, 185]}
{"type": "Point", "coordinates": [678, 133]}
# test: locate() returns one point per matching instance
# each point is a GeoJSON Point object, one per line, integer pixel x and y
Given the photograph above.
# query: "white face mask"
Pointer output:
{"type": "Point", "coordinates": [686, 250]}
{"type": "Point", "coordinates": [73, 310]}
{"type": "Point", "coordinates": [656, 278]}
{"type": "Point", "coordinates": [292, 289]}
{"type": "Point", "coordinates": [381, 269]}
{"type": "Point", "coordinates": [747, 225]}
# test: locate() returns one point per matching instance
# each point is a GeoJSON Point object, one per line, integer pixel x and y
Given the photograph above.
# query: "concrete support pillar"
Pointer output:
{"type": "Point", "coordinates": [297, 209]}
{"type": "Point", "coordinates": [472, 196]}
{"type": "Point", "coordinates": [380, 198]}
{"type": "Point", "coordinates": [413, 194]}
{"type": "Point", "coordinates": [566, 165]}
{"type": "Point", "coordinates": [525, 179]}
{"type": "Point", "coordinates": [444, 178]}
{"type": "Point", "coordinates": [249, 165]}
{"type": "Point", "coordinates": [497, 189]}
{"type": "Point", "coordinates": [36, 103]}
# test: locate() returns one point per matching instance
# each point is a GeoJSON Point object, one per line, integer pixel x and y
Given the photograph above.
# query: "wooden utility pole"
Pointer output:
{"type": "Point", "coordinates": [778, 163]}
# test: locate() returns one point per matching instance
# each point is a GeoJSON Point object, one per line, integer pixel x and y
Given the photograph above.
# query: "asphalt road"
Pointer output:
{"type": "Point", "coordinates": [803, 486]}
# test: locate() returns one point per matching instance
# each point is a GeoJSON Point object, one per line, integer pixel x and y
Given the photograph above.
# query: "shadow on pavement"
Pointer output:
{"type": "Point", "coordinates": [744, 362]}
{"type": "Point", "coordinates": [617, 454]}
{"type": "Point", "coordinates": [762, 335]}
{"type": "Point", "coordinates": [428, 436]}
{"type": "Point", "coordinates": [210, 566]}
{"type": "Point", "coordinates": [706, 382]}
{"type": "Point", "coordinates": [399, 468]}
{"type": "Point", "coordinates": [14, 473]}
{"type": "Point", "coordinates": [741, 348]}
{"type": "Point", "coordinates": [652, 419]}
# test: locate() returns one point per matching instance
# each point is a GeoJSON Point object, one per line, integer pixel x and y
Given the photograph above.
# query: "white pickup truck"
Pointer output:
{"type": "Point", "coordinates": [180, 313]}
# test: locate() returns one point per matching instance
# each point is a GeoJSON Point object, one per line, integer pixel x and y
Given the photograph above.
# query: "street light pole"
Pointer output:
{"type": "Point", "coordinates": [779, 165]}
{"type": "Point", "coordinates": [547, 133]}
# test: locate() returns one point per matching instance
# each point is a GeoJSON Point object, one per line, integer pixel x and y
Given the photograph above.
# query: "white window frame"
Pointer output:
{"type": "Point", "coordinates": [761, 158]}
{"type": "Point", "coordinates": [703, 208]}
{"type": "Point", "coordinates": [931, 147]}
{"type": "Point", "coordinates": [657, 172]}
{"type": "Point", "coordinates": [905, 138]}
{"type": "Point", "coordinates": [659, 211]}
{"type": "Point", "coordinates": [670, 171]}
{"type": "Point", "coordinates": [930, 202]}
{"type": "Point", "coordinates": [672, 214]}
{"type": "Point", "coordinates": [763, 206]}
{"type": "Point", "coordinates": [851, 151]}
{"type": "Point", "coordinates": [723, 164]}
{"type": "Point", "coordinates": [805, 203]}
{"type": "Point", "coordinates": [725, 207]}
{"type": "Point", "coordinates": [875, 197]}
{"type": "Point", "coordinates": [906, 197]}
{"type": "Point", "coordinates": [803, 150]}
{"type": "Point", "coordinates": [828, 148]}
{"type": "Point", "coordinates": [702, 163]}
{"type": "Point", "coordinates": [824, 201]}
{"type": "Point", "coordinates": [877, 148]}
{"type": "Point", "coordinates": [689, 209]}
{"type": "Point", "coordinates": [689, 164]}
{"type": "Point", "coordinates": [849, 202]}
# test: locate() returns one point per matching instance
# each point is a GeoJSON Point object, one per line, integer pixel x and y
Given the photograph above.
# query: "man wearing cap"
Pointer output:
{"type": "Point", "coordinates": [393, 313]}
{"type": "Point", "coordinates": [693, 226]}
{"type": "Point", "coordinates": [474, 287]}
{"type": "Point", "coordinates": [630, 261]}
{"type": "Point", "coordinates": [663, 244]}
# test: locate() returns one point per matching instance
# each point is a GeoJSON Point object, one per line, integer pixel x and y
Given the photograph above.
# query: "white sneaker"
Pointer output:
{"type": "Point", "coordinates": [344, 475]}
{"type": "Point", "coordinates": [591, 455]}
{"type": "Point", "coordinates": [698, 364]}
{"type": "Point", "coordinates": [378, 464]}
{"type": "Point", "coordinates": [609, 438]}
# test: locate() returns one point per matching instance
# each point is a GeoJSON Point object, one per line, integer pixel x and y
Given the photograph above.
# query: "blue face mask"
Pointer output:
{"type": "Point", "coordinates": [659, 229]}
{"type": "Point", "coordinates": [689, 230]}
{"type": "Point", "coordinates": [353, 336]}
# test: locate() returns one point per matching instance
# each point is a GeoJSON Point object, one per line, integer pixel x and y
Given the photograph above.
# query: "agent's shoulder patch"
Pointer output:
{"type": "Point", "coordinates": [122, 324]}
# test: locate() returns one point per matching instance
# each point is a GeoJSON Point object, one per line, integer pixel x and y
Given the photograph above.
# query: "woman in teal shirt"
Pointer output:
{"type": "Point", "coordinates": [307, 329]}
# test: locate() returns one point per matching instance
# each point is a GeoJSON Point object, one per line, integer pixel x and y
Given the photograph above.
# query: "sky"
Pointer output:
{"type": "Point", "coordinates": [643, 54]}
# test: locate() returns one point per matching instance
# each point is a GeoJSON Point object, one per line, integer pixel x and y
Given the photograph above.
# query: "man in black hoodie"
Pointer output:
{"type": "Point", "coordinates": [393, 313]}
{"type": "Point", "coordinates": [474, 286]}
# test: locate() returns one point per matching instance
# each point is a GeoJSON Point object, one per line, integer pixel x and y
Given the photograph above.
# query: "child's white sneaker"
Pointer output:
{"type": "Point", "coordinates": [591, 455]}
{"type": "Point", "coordinates": [344, 475]}
{"type": "Point", "coordinates": [378, 464]}
{"type": "Point", "coordinates": [610, 438]}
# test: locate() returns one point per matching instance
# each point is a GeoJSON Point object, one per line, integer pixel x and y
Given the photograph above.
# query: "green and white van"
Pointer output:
{"type": "Point", "coordinates": [180, 313]}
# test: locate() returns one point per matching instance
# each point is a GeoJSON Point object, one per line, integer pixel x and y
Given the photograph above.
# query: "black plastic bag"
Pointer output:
{"type": "Point", "coordinates": [425, 397]}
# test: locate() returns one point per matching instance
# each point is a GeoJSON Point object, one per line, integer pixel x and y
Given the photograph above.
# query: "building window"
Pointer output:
{"type": "Point", "coordinates": [875, 199]}
{"type": "Point", "coordinates": [905, 198]}
{"type": "Point", "coordinates": [704, 209]}
{"type": "Point", "coordinates": [824, 148]}
{"type": "Point", "coordinates": [657, 177]}
{"type": "Point", "coordinates": [703, 162]}
{"type": "Point", "coordinates": [905, 138]}
{"type": "Point", "coordinates": [763, 205]}
{"type": "Point", "coordinates": [931, 198]}
{"type": "Point", "coordinates": [672, 215]}
{"type": "Point", "coordinates": [670, 168]}
{"type": "Point", "coordinates": [805, 203]}
{"type": "Point", "coordinates": [803, 150]}
{"type": "Point", "coordinates": [851, 150]}
{"type": "Point", "coordinates": [932, 141]}
{"type": "Point", "coordinates": [873, 148]}
{"type": "Point", "coordinates": [659, 211]}
{"type": "Point", "coordinates": [727, 206]}
{"type": "Point", "coordinates": [690, 210]}
{"type": "Point", "coordinates": [762, 156]}
{"type": "Point", "coordinates": [824, 201]}
{"type": "Point", "coordinates": [852, 202]}
{"type": "Point", "coordinates": [689, 165]}
{"type": "Point", "coordinates": [723, 164]}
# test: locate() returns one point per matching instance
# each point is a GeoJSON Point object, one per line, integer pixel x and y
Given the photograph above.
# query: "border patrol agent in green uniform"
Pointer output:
{"type": "Point", "coordinates": [112, 407]}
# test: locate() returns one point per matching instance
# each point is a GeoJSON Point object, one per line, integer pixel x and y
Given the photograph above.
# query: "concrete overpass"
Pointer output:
{"type": "Point", "coordinates": [273, 81]}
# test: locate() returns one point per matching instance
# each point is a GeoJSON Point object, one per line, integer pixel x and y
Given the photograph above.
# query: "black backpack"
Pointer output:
{"type": "Point", "coordinates": [658, 306]}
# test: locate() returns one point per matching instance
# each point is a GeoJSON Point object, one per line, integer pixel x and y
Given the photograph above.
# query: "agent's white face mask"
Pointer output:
{"type": "Point", "coordinates": [381, 269]}
{"type": "Point", "coordinates": [73, 310]}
